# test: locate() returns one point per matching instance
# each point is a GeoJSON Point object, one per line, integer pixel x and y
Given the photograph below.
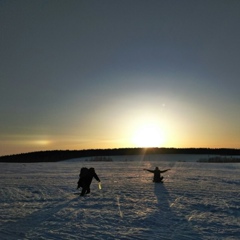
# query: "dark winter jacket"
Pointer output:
{"type": "Point", "coordinates": [157, 174]}
{"type": "Point", "coordinates": [91, 174]}
{"type": "Point", "coordinates": [86, 176]}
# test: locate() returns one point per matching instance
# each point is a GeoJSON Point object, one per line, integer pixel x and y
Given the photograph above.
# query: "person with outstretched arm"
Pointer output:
{"type": "Point", "coordinates": [157, 174]}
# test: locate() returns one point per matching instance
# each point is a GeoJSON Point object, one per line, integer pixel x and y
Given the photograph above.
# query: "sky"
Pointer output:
{"type": "Point", "coordinates": [93, 74]}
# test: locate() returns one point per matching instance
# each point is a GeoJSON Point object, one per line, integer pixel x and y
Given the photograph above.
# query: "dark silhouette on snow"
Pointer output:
{"type": "Point", "coordinates": [157, 174]}
{"type": "Point", "coordinates": [85, 179]}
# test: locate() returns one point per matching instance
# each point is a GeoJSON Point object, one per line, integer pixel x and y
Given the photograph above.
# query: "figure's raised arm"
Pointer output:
{"type": "Point", "coordinates": [165, 170]}
{"type": "Point", "coordinates": [148, 170]}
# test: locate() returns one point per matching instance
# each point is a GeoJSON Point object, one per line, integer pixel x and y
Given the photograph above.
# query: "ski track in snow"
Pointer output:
{"type": "Point", "coordinates": [196, 201]}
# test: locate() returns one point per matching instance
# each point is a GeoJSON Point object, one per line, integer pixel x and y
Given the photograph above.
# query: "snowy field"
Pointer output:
{"type": "Point", "coordinates": [196, 201]}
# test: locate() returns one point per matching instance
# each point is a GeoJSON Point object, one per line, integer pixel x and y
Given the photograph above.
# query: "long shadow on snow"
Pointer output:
{"type": "Point", "coordinates": [20, 228]}
{"type": "Point", "coordinates": [165, 223]}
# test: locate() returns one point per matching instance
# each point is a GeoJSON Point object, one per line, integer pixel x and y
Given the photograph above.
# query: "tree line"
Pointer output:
{"type": "Point", "coordinates": [60, 155]}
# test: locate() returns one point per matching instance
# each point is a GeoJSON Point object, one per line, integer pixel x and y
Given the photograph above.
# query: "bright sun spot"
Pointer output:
{"type": "Point", "coordinates": [41, 142]}
{"type": "Point", "coordinates": [148, 136]}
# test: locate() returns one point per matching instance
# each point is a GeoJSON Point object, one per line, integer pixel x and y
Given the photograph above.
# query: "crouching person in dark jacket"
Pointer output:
{"type": "Point", "coordinates": [85, 179]}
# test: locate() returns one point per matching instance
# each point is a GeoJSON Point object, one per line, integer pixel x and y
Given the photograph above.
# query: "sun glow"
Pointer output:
{"type": "Point", "coordinates": [149, 135]}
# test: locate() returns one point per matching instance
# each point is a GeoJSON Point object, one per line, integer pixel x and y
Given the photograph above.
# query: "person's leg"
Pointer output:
{"type": "Point", "coordinates": [84, 188]}
{"type": "Point", "coordinates": [88, 190]}
{"type": "Point", "coordinates": [83, 191]}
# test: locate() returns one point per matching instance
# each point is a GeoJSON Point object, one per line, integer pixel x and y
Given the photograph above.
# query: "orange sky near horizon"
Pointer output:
{"type": "Point", "coordinates": [119, 74]}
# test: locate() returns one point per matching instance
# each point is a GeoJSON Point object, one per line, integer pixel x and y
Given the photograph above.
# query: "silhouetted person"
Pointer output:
{"type": "Point", "coordinates": [85, 179]}
{"type": "Point", "coordinates": [157, 174]}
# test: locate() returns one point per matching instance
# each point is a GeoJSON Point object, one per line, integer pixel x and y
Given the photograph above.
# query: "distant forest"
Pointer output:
{"type": "Point", "coordinates": [60, 155]}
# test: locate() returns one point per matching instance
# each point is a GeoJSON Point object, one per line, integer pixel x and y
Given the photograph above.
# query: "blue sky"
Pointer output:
{"type": "Point", "coordinates": [110, 74]}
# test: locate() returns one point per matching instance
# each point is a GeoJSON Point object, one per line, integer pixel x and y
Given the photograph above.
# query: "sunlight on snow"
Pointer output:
{"type": "Point", "coordinates": [196, 201]}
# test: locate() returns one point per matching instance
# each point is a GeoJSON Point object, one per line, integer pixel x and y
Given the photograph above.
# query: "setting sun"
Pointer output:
{"type": "Point", "coordinates": [149, 135]}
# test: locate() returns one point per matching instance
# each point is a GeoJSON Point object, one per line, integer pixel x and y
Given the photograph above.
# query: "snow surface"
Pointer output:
{"type": "Point", "coordinates": [197, 200]}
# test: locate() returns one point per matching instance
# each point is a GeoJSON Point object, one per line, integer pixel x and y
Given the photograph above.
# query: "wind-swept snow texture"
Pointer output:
{"type": "Point", "coordinates": [196, 201]}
